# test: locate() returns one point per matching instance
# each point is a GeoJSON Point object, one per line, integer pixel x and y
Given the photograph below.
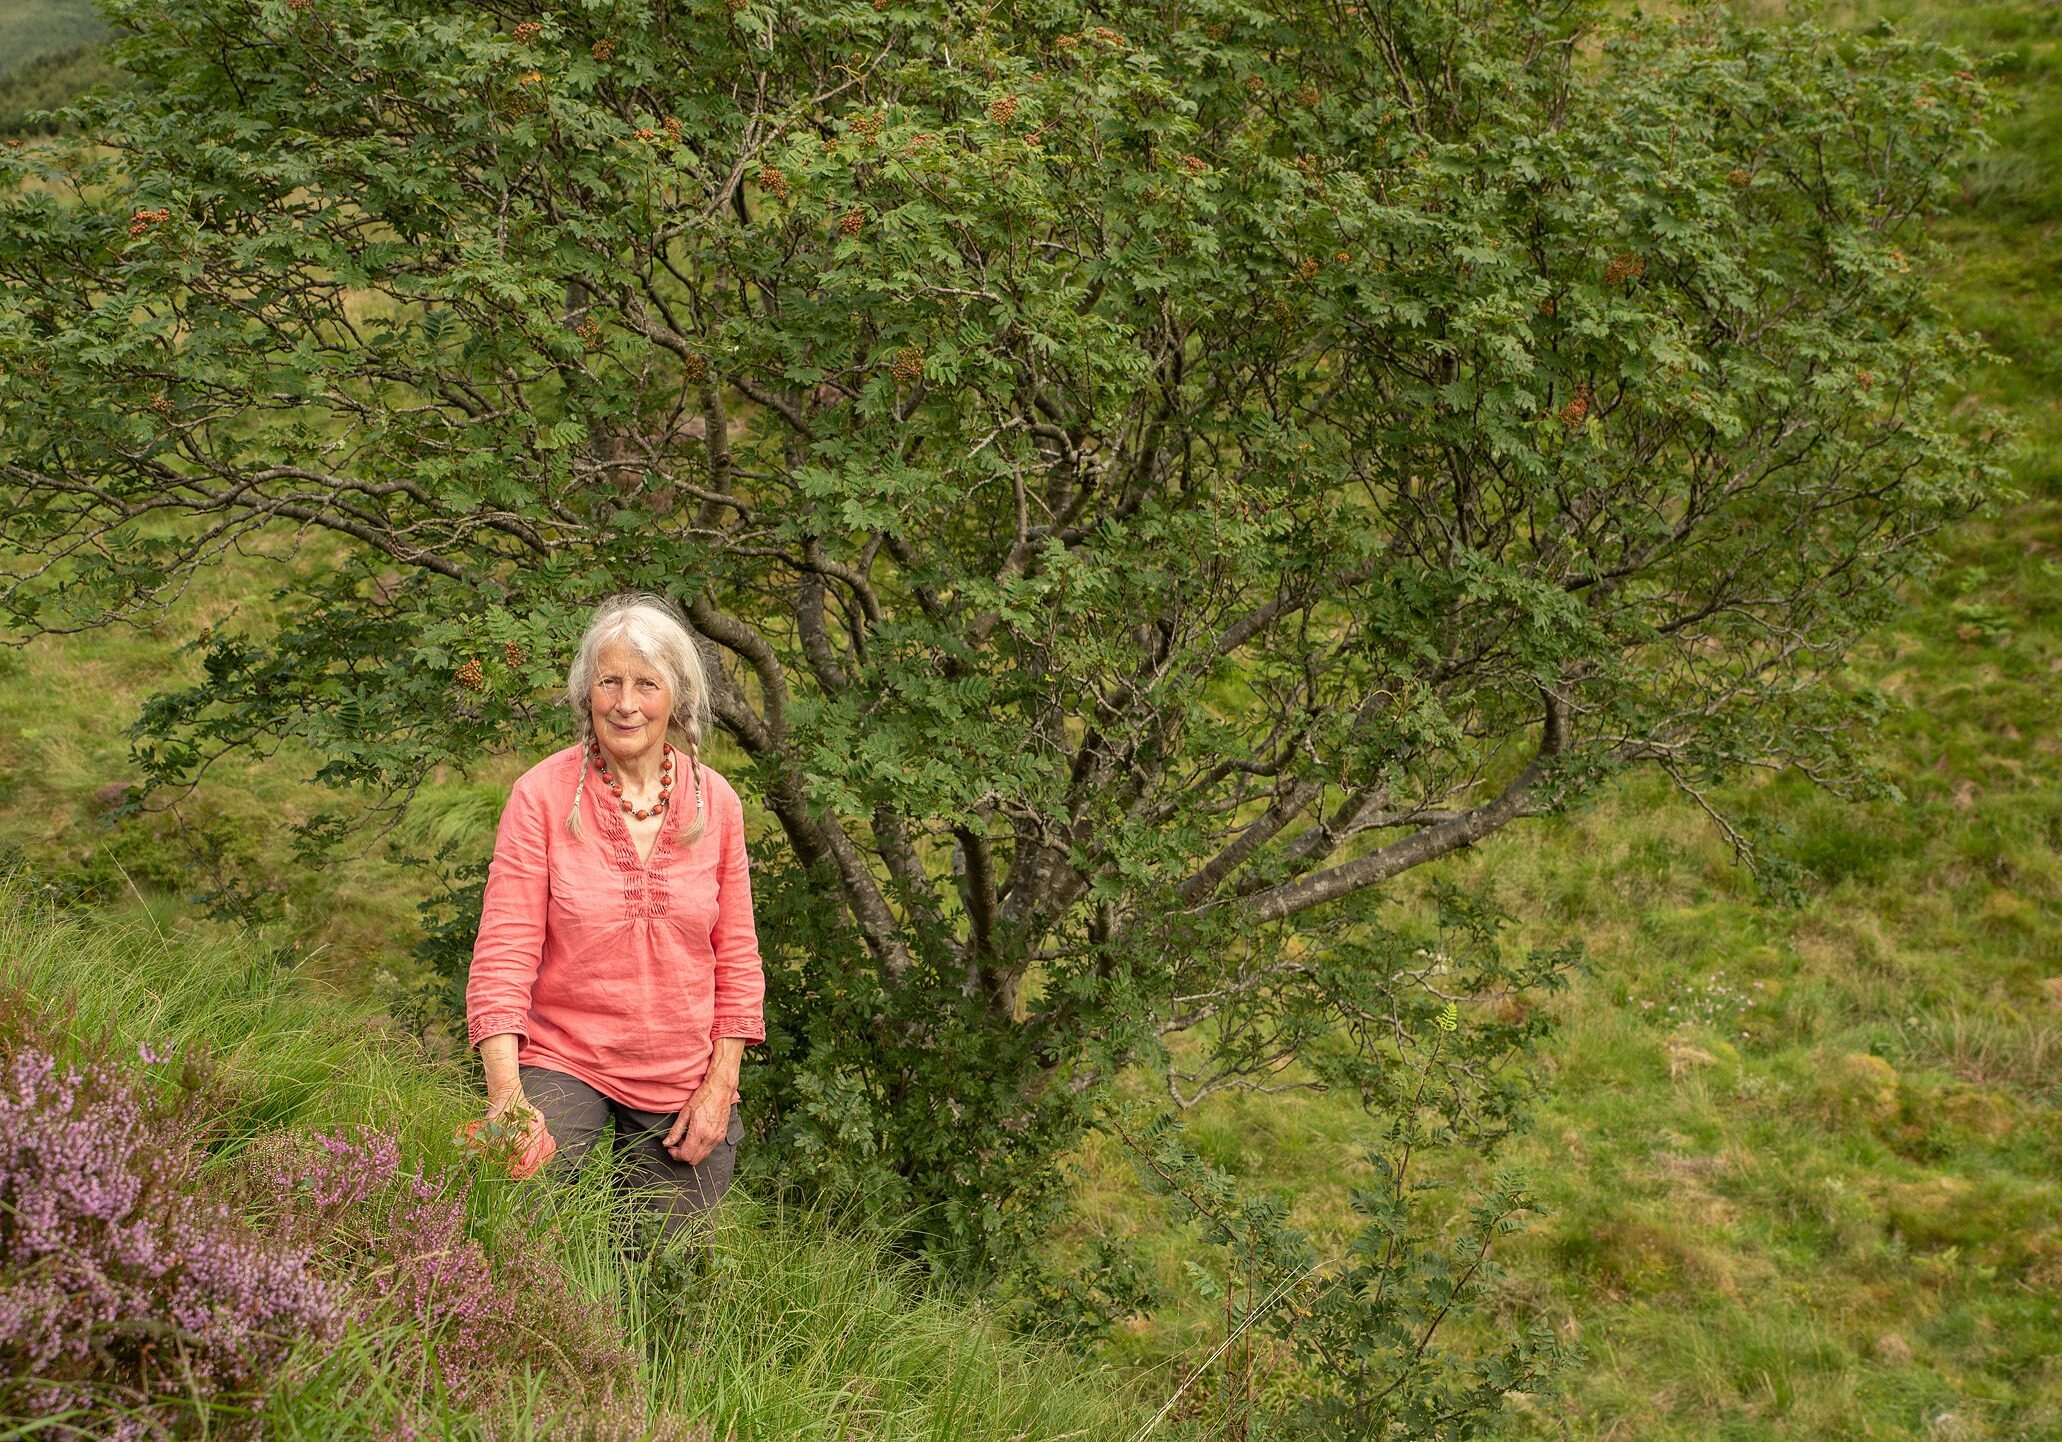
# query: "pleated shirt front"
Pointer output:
{"type": "Point", "coordinates": [619, 972]}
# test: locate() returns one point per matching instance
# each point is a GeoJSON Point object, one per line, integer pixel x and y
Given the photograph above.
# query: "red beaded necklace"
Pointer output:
{"type": "Point", "coordinates": [665, 779]}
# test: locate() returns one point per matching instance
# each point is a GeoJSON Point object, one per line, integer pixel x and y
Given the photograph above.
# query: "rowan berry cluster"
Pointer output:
{"type": "Point", "coordinates": [694, 367]}
{"type": "Point", "coordinates": [1624, 268]}
{"type": "Point", "coordinates": [1194, 164]}
{"type": "Point", "coordinates": [527, 31]}
{"type": "Point", "coordinates": [909, 365]}
{"type": "Point", "coordinates": [143, 220]}
{"type": "Point", "coordinates": [512, 653]}
{"type": "Point", "coordinates": [603, 49]}
{"type": "Point", "coordinates": [867, 125]}
{"type": "Point", "coordinates": [1004, 110]}
{"type": "Point", "coordinates": [472, 675]}
{"type": "Point", "coordinates": [1573, 413]}
{"type": "Point", "coordinates": [851, 222]}
{"type": "Point", "coordinates": [774, 181]}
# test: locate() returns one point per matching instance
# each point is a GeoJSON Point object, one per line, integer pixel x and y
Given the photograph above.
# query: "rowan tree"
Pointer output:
{"type": "Point", "coordinates": [1147, 478]}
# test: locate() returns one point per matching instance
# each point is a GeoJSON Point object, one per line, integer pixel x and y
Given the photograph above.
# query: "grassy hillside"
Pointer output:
{"type": "Point", "coordinates": [1804, 1161]}
{"type": "Point", "coordinates": [47, 57]}
{"type": "Point", "coordinates": [794, 1329]}
{"type": "Point", "coordinates": [31, 30]}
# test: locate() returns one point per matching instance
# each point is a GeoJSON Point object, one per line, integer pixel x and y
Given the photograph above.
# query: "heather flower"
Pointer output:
{"type": "Point", "coordinates": [396, 1241]}
{"type": "Point", "coordinates": [117, 1283]}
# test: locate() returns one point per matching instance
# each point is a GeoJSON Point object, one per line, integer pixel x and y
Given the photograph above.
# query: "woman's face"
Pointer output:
{"type": "Point", "coordinates": [630, 701]}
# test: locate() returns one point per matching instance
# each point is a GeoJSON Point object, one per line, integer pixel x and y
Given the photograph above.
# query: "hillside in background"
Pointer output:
{"type": "Point", "coordinates": [46, 58]}
{"type": "Point", "coordinates": [1801, 1151]}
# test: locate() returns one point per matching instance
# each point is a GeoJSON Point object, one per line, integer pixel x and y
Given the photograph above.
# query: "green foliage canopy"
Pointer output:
{"type": "Point", "coordinates": [1147, 477]}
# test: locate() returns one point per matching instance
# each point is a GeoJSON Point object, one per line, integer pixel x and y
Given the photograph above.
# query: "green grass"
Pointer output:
{"type": "Point", "coordinates": [803, 1328]}
{"type": "Point", "coordinates": [31, 30]}
{"type": "Point", "coordinates": [1819, 1199]}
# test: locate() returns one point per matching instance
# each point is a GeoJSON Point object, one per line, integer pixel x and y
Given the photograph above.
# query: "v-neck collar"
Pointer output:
{"type": "Point", "coordinates": [668, 826]}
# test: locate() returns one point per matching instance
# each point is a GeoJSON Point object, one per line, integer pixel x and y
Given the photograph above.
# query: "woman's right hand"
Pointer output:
{"type": "Point", "coordinates": [513, 1129]}
{"type": "Point", "coordinates": [508, 1108]}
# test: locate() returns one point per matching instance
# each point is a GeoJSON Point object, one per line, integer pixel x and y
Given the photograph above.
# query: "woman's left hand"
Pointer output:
{"type": "Point", "coordinates": [701, 1125]}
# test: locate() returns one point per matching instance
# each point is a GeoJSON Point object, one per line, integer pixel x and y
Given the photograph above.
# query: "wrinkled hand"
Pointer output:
{"type": "Point", "coordinates": [701, 1125]}
{"type": "Point", "coordinates": [514, 1130]}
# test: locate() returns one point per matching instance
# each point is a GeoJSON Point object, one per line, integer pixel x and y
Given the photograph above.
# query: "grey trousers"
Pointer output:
{"type": "Point", "coordinates": [575, 1114]}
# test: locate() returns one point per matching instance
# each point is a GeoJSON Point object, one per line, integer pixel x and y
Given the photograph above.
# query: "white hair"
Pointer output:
{"type": "Point", "coordinates": [654, 633]}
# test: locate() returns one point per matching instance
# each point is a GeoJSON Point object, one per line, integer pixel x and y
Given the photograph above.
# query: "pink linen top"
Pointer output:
{"type": "Point", "coordinates": [619, 972]}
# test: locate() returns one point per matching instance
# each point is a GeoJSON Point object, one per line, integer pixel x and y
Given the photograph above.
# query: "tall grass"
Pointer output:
{"type": "Point", "coordinates": [789, 1324]}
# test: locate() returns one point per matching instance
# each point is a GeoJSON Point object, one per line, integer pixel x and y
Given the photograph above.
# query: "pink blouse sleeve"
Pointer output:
{"type": "Point", "coordinates": [510, 944]}
{"type": "Point", "coordinates": [740, 979]}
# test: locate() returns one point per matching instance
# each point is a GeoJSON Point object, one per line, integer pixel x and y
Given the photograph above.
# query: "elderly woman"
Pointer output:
{"type": "Point", "coordinates": [616, 979]}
